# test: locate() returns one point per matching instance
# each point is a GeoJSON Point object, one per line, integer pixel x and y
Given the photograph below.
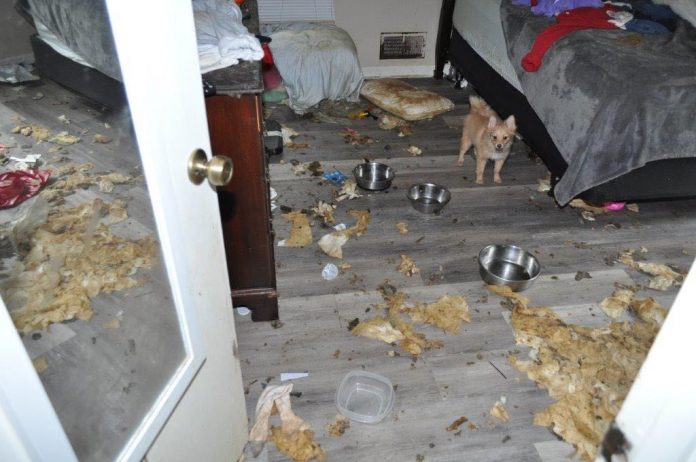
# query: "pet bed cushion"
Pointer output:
{"type": "Point", "coordinates": [404, 100]}
{"type": "Point", "coordinates": [316, 62]}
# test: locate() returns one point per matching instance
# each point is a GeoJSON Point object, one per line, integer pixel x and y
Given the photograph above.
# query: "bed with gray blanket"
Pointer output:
{"type": "Point", "coordinates": [615, 107]}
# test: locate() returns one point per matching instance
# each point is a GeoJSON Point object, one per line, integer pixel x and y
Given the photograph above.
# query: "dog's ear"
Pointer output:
{"type": "Point", "coordinates": [492, 122]}
{"type": "Point", "coordinates": [510, 122]}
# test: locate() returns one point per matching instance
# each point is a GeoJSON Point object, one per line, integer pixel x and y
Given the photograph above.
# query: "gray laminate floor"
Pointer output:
{"type": "Point", "coordinates": [470, 373]}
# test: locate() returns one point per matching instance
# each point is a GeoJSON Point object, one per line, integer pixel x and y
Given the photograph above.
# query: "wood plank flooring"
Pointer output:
{"type": "Point", "coordinates": [460, 379]}
{"type": "Point", "coordinates": [464, 378]}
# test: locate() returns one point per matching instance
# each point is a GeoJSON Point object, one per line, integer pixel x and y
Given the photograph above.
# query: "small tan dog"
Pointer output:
{"type": "Point", "coordinates": [490, 136]}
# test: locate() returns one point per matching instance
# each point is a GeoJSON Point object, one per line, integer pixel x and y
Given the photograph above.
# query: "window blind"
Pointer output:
{"type": "Point", "coordinates": [295, 10]}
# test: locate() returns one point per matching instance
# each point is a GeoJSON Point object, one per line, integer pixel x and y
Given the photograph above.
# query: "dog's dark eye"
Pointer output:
{"type": "Point", "coordinates": [505, 137]}
{"type": "Point", "coordinates": [495, 137]}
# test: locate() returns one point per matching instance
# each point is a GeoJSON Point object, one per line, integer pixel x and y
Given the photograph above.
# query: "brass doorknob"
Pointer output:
{"type": "Point", "coordinates": [218, 170]}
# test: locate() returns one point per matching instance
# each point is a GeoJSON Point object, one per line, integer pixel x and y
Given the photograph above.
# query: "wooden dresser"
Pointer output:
{"type": "Point", "coordinates": [235, 121]}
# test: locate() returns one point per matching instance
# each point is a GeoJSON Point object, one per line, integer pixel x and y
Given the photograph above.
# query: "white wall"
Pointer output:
{"type": "Point", "coordinates": [366, 19]}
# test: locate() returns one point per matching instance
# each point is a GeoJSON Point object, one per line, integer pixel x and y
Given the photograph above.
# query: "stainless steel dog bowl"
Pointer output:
{"type": "Point", "coordinates": [508, 265]}
{"type": "Point", "coordinates": [428, 197]}
{"type": "Point", "coordinates": [373, 176]}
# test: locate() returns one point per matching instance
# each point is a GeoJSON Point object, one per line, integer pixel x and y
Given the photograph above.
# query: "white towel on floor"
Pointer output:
{"type": "Point", "coordinates": [222, 39]}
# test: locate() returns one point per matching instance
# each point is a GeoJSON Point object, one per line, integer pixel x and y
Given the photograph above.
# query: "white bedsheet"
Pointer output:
{"type": "Point", "coordinates": [478, 22]}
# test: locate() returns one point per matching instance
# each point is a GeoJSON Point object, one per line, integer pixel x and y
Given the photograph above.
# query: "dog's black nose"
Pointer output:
{"type": "Point", "coordinates": [499, 146]}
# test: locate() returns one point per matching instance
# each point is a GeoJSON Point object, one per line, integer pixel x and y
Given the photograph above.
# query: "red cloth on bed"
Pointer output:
{"type": "Point", "coordinates": [566, 22]}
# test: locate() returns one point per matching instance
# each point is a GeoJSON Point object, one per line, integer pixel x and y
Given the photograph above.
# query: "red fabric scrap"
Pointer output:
{"type": "Point", "coordinates": [19, 185]}
{"type": "Point", "coordinates": [566, 22]}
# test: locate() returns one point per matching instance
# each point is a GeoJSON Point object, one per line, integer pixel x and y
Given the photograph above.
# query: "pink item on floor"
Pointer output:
{"type": "Point", "coordinates": [614, 206]}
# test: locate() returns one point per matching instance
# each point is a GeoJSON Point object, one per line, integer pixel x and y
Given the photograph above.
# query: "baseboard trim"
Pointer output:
{"type": "Point", "coordinates": [398, 71]}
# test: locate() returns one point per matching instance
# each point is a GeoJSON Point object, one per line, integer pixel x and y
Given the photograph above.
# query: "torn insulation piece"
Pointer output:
{"type": "Point", "coordinates": [407, 266]}
{"type": "Point", "coordinates": [349, 190]}
{"type": "Point", "coordinates": [393, 328]}
{"type": "Point", "coordinates": [414, 150]}
{"type": "Point", "coordinates": [649, 310]}
{"type": "Point", "coordinates": [402, 227]}
{"type": "Point", "coordinates": [101, 139]}
{"type": "Point", "coordinates": [415, 342]}
{"type": "Point", "coordinates": [72, 177]}
{"type": "Point", "coordinates": [378, 328]}
{"type": "Point", "coordinates": [40, 364]}
{"type": "Point", "coordinates": [617, 304]}
{"type": "Point", "coordinates": [588, 372]}
{"type": "Point", "coordinates": [73, 258]}
{"type": "Point", "coordinates": [582, 205]}
{"type": "Point", "coordinates": [663, 277]}
{"type": "Point", "coordinates": [362, 218]}
{"type": "Point", "coordinates": [325, 211]}
{"type": "Point", "coordinates": [339, 427]}
{"type": "Point", "coordinates": [332, 244]}
{"type": "Point", "coordinates": [64, 139]}
{"type": "Point", "coordinates": [300, 233]}
{"type": "Point", "coordinates": [499, 412]}
{"type": "Point", "coordinates": [447, 313]}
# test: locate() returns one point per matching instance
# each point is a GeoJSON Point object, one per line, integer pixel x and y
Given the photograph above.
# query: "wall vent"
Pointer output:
{"type": "Point", "coordinates": [402, 45]}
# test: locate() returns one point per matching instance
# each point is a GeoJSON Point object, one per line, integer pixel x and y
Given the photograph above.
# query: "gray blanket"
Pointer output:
{"type": "Point", "coordinates": [82, 25]}
{"type": "Point", "coordinates": [611, 100]}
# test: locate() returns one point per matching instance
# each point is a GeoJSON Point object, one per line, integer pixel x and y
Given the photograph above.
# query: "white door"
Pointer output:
{"type": "Point", "coordinates": [658, 418]}
{"type": "Point", "coordinates": [198, 412]}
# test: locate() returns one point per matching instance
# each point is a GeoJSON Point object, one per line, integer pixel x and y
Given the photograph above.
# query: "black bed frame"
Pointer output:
{"type": "Point", "coordinates": [663, 179]}
{"type": "Point", "coordinates": [83, 80]}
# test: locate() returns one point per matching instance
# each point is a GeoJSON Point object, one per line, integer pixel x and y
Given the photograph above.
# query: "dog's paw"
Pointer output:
{"type": "Point", "coordinates": [460, 162]}
{"type": "Point", "coordinates": [479, 180]}
{"type": "Point", "coordinates": [497, 180]}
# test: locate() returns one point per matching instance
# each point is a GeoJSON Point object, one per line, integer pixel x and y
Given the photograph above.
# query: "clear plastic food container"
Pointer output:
{"type": "Point", "coordinates": [365, 397]}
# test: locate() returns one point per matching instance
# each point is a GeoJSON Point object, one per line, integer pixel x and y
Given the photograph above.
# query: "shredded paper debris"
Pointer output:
{"type": "Point", "coordinates": [300, 233]}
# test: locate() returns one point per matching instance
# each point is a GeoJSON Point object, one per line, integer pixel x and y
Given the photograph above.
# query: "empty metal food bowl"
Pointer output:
{"type": "Point", "coordinates": [373, 176]}
{"type": "Point", "coordinates": [428, 197]}
{"type": "Point", "coordinates": [508, 265]}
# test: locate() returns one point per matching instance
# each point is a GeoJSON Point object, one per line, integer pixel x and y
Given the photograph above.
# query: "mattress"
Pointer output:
{"type": "Point", "coordinates": [478, 22]}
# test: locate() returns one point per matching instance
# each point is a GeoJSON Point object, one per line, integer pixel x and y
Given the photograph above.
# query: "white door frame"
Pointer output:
{"type": "Point", "coordinates": [658, 418]}
{"type": "Point", "coordinates": [153, 38]}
